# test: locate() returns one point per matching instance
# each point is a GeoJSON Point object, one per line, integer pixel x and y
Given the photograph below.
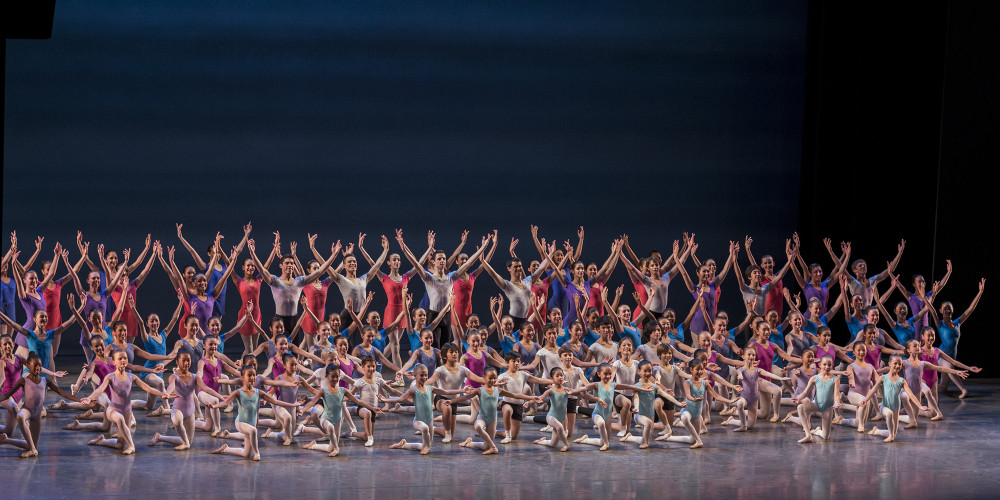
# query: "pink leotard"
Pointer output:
{"type": "Point", "coordinates": [765, 355]}
{"type": "Point", "coordinates": [210, 374]}
{"type": "Point", "coordinates": [930, 376]}
{"type": "Point", "coordinates": [12, 372]}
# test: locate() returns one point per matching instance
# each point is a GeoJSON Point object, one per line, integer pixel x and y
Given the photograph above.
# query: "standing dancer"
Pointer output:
{"type": "Point", "coordinates": [949, 329]}
{"type": "Point", "coordinates": [217, 273]}
{"type": "Point", "coordinates": [352, 287]}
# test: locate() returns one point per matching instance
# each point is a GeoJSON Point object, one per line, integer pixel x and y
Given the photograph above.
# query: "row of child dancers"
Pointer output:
{"type": "Point", "coordinates": [575, 337]}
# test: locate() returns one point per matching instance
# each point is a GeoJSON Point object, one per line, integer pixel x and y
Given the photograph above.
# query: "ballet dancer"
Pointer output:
{"type": "Point", "coordinates": [249, 398]}
{"type": "Point", "coordinates": [825, 400]}
{"type": "Point", "coordinates": [185, 384]}
{"type": "Point", "coordinates": [29, 417]}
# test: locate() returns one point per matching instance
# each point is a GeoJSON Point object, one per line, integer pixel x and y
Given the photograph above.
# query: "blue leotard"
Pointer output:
{"type": "Point", "coordinates": [488, 405]}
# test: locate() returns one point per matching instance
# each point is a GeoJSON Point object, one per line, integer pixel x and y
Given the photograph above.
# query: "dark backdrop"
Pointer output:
{"type": "Point", "coordinates": [649, 119]}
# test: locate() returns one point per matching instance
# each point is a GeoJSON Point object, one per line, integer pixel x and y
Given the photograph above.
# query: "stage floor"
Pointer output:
{"type": "Point", "coordinates": [955, 458]}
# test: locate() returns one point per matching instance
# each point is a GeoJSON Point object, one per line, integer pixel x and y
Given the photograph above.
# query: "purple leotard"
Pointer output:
{"type": "Point", "coordinates": [202, 309]}
{"type": "Point", "coordinates": [828, 351]}
{"type": "Point", "coordinates": [89, 305]}
{"type": "Point", "coordinates": [572, 291]}
{"type": "Point", "coordinates": [477, 366]}
{"type": "Point", "coordinates": [102, 369]}
{"type": "Point", "coordinates": [930, 376]}
{"type": "Point", "coordinates": [765, 355]}
{"type": "Point", "coordinates": [699, 323]}
{"type": "Point", "coordinates": [873, 354]}
{"type": "Point", "coordinates": [429, 361]}
{"type": "Point", "coordinates": [30, 305]}
{"type": "Point", "coordinates": [912, 373]}
{"type": "Point", "coordinates": [801, 381]}
{"type": "Point", "coordinates": [345, 369]}
{"type": "Point", "coordinates": [822, 294]}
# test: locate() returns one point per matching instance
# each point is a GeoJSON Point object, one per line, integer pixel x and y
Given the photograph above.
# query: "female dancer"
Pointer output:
{"type": "Point", "coordinates": [249, 399]}
{"type": "Point", "coordinates": [695, 389]}
{"type": "Point", "coordinates": [333, 408]}
{"type": "Point", "coordinates": [816, 287]}
{"type": "Point", "coordinates": [285, 419]}
{"type": "Point", "coordinates": [949, 329]}
{"type": "Point", "coordinates": [218, 271]}
{"type": "Point", "coordinates": [95, 305]}
{"type": "Point", "coordinates": [29, 417]}
{"type": "Point", "coordinates": [755, 289]}
{"type": "Point", "coordinates": [395, 285]}
{"type": "Point", "coordinates": [53, 294]}
{"type": "Point", "coordinates": [31, 298]}
{"type": "Point", "coordinates": [248, 286]}
{"type": "Point", "coordinates": [201, 301]}
{"type": "Point", "coordinates": [119, 332]}
{"type": "Point", "coordinates": [707, 287]}
{"type": "Point", "coordinates": [39, 339]}
{"type": "Point", "coordinates": [486, 421]}
{"type": "Point", "coordinates": [185, 384]}
{"type": "Point", "coordinates": [913, 370]}
{"type": "Point", "coordinates": [119, 411]}
{"type": "Point", "coordinates": [893, 385]}
{"type": "Point", "coordinates": [902, 327]}
{"type": "Point", "coordinates": [861, 284]}
{"type": "Point", "coordinates": [109, 261]}
{"type": "Point", "coordinates": [558, 396]}
{"type": "Point", "coordinates": [826, 399]}
{"type": "Point", "coordinates": [748, 375]}
{"type": "Point", "coordinates": [286, 288]}
{"type": "Point", "coordinates": [605, 390]}
{"type": "Point", "coordinates": [646, 392]}
{"type": "Point", "coordinates": [765, 357]}
{"type": "Point", "coordinates": [938, 357]}
{"type": "Point", "coordinates": [860, 376]}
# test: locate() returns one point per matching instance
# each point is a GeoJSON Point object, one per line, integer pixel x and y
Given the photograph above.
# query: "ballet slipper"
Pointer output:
{"type": "Point", "coordinates": [60, 405]}
{"type": "Point", "coordinates": [29, 454]}
{"type": "Point", "coordinates": [625, 437]}
{"type": "Point", "coordinates": [643, 446]}
{"type": "Point", "coordinates": [466, 443]}
{"type": "Point", "coordinates": [740, 429]}
{"type": "Point", "coordinates": [334, 453]}
{"type": "Point", "coordinates": [424, 451]}
{"type": "Point", "coordinates": [182, 447]}
{"type": "Point", "coordinates": [961, 396]}
{"type": "Point", "coordinates": [506, 440]}
{"type": "Point", "coordinates": [604, 447]}
{"type": "Point", "coordinates": [937, 417]}
{"type": "Point", "coordinates": [807, 439]}
{"type": "Point", "coordinates": [888, 440]}
{"type": "Point", "coordinates": [96, 440]}
{"type": "Point", "coordinates": [156, 439]}
{"type": "Point", "coordinates": [75, 426]}
{"type": "Point", "coordinates": [564, 448]}
{"type": "Point", "coordinates": [698, 444]}
{"type": "Point", "coordinates": [256, 457]}
{"type": "Point", "coordinates": [873, 431]}
{"type": "Point", "coordinates": [397, 445]}
{"type": "Point", "coordinates": [128, 451]}
{"type": "Point", "coordinates": [491, 451]}
{"type": "Point", "coordinates": [220, 449]}
{"type": "Point", "coordinates": [580, 439]}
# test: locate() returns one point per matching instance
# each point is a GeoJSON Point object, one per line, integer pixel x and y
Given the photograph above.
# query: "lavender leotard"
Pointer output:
{"type": "Point", "coordinates": [801, 381]}
{"type": "Point", "coordinates": [862, 379]}
{"type": "Point", "coordinates": [30, 305]}
{"type": "Point", "coordinates": [527, 356]}
{"type": "Point", "coordinates": [185, 403]}
{"type": "Point", "coordinates": [90, 305]}
{"type": "Point", "coordinates": [750, 393]}
{"type": "Point", "coordinates": [34, 397]}
{"type": "Point", "coordinates": [429, 361]}
{"type": "Point", "coordinates": [202, 309]}
{"type": "Point", "coordinates": [121, 392]}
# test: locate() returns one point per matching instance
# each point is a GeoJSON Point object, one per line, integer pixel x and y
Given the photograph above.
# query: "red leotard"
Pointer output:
{"type": "Point", "coordinates": [540, 289]}
{"type": "Point", "coordinates": [249, 291]}
{"type": "Point", "coordinates": [132, 328]}
{"type": "Point", "coordinates": [595, 297]}
{"type": "Point", "coordinates": [775, 298]}
{"type": "Point", "coordinates": [316, 302]}
{"type": "Point", "coordinates": [463, 298]}
{"type": "Point", "coordinates": [640, 288]}
{"type": "Point", "coordinates": [52, 298]}
{"type": "Point", "coordinates": [394, 294]}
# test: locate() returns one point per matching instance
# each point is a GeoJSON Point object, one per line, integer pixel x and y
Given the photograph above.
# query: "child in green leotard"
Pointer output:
{"type": "Point", "coordinates": [423, 417]}
{"type": "Point", "coordinates": [333, 402]}
{"type": "Point", "coordinates": [486, 422]}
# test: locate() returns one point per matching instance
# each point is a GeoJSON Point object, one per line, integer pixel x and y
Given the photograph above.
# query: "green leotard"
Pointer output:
{"type": "Point", "coordinates": [423, 401]}
{"type": "Point", "coordinates": [646, 400]}
{"type": "Point", "coordinates": [698, 393]}
{"type": "Point", "coordinates": [488, 405]}
{"type": "Point", "coordinates": [891, 392]}
{"type": "Point", "coordinates": [557, 405]}
{"type": "Point", "coordinates": [824, 392]}
{"type": "Point", "coordinates": [333, 404]}
{"type": "Point", "coordinates": [248, 407]}
{"type": "Point", "coordinates": [608, 396]}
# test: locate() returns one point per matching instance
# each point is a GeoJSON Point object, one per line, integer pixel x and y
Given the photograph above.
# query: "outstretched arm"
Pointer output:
{"type": "Point", "coordinates": [975, 302]}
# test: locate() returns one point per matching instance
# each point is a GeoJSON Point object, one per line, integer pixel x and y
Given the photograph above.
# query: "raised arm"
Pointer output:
{"type": "Point", "coordinates": [142, 255]}
{"type": "Point", "coordinates": [458, 249]}
{"type": "Point", "coordinates": [975, 301]}
{"type": "Point", "coordinates": [221, 284]}
{"type": "Point", "coordinates": [265, 274]}
{"type": "Point", "coordinates": [409, 255]}
{"type": "Point", "coordinates": [198, 261]}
